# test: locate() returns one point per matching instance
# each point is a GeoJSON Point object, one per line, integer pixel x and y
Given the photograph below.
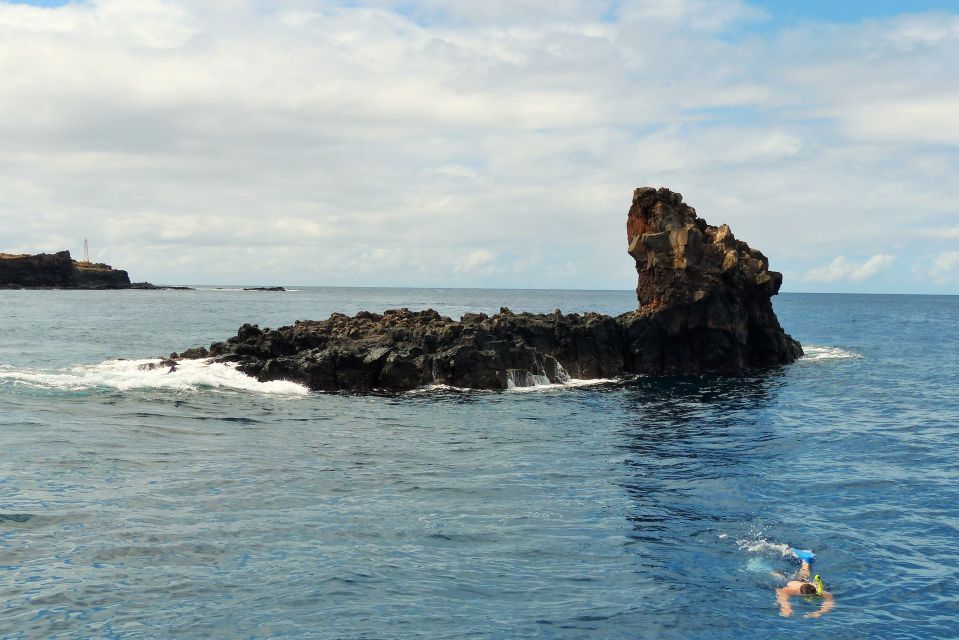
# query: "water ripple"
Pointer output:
{"type": "Point", "coordinates": [651, 508]}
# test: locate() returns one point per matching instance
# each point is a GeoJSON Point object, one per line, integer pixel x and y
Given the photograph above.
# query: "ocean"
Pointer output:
{"type": "Point", "coordinates": [204, 504]}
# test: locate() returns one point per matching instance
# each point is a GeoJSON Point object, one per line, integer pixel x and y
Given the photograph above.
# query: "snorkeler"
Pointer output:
{"type": "Point", "coordinates": [804, 587]}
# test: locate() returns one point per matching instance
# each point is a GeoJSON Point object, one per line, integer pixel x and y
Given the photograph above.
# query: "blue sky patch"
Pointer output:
{"type": "Point", "coordinates": [785, 12]}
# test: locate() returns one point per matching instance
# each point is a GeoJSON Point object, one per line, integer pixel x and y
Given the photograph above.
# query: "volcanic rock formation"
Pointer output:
{"type": "Point", "coordinates": [704, 307]}
{"type": "Point", "coordinates": [704, 297]}
{"type": "Point", "coordinates": [403, 349]}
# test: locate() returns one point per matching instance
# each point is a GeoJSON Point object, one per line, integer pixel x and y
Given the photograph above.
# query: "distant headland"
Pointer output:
{"type": "Point", "coordinates": [60, 271]}
{"type": "Point", "coordinates": [704, 306]}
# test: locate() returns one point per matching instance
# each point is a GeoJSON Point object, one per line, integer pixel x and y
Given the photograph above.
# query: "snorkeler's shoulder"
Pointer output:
{"type": "Point", "coordinates": [794, 587]}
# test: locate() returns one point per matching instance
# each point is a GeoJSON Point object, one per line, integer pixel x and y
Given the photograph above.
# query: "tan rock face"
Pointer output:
{"type": "Point", "coordinates": [681, 258]}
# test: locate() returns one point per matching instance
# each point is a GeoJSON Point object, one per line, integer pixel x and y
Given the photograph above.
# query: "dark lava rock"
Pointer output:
{"type": "Point", "coordinates": [704, 307]}
{"type": "Point", "coordinates": [148, 286]}
{"type": "Point", "coordinates": [264, 289]}
{"type": "Point", "coordinates": [164, 363]}
{"type": "Point", "coordinates": [402, 349]}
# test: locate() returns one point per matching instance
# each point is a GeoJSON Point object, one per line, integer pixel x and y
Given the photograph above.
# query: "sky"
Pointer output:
{"type": "Point", "coordinates": [466, 144]}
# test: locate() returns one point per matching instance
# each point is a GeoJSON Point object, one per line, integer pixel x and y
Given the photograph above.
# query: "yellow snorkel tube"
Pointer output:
{"type": "Point", "coordinates": [820, 588]}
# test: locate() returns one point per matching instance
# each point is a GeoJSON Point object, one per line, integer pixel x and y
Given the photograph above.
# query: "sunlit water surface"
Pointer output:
{"type": "Point", "coordinates": [202, 504]}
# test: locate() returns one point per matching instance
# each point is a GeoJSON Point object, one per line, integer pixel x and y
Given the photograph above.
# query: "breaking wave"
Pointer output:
{"type": "Point", "coordinates": [814, 352]}
{"type": "Point", "coordinates": [548, 386]}
{"type": "Point", "coordinates": [533, 388]}
{"type": "Point", "coordinates": [126, 375]}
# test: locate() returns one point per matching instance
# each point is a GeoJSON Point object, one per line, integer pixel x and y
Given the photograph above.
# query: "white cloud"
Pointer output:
{"type": "Point", "coordinates": [945, 268]}
{"type": "Point", "coordinates": [928, 119]}
{"type": "Point", "coordinates": [843, 270]}
{"type": "Point", "coordinates": [939, 233]}
{"type": "Point", "coordinates": [699, 15]}
{"type": "Point", "coordinates": [433, 142]}
{"type": "Point", "coordinates": [476, 259]}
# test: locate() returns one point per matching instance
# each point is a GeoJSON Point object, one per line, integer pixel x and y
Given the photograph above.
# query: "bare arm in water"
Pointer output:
{"type": "Point", "coordinates": [827, 605]}
{"type": "Point", "coordinates": [782, 597]}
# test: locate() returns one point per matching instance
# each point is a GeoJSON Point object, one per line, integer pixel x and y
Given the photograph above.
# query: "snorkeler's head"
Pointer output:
{"type": "Point", "coordinates": [808, 589]}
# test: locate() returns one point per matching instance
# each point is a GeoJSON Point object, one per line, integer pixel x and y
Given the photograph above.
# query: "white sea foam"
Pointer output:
{"type": "Point", "coordinates": [552, 386]}
{"type": "Point", "coordinates": [548, 386]}
{"type": "Point", "coordinates": [124, 375]}
{"type": "Point", "coordinates": [523, 381]}
{"type": "Point", "coordinates": [761, 546]}
{"type": "Point", "coordinates": [816, 352]}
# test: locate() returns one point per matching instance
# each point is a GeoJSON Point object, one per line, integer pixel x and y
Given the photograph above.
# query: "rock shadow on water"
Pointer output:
{"type": "Point", "coordinates": [692, 446]}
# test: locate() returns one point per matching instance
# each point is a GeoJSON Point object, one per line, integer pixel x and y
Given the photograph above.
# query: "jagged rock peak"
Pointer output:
{"type": "Point", "coordinates": [707, 294]}
{"type": "Point", "coordinates": [682, 259]}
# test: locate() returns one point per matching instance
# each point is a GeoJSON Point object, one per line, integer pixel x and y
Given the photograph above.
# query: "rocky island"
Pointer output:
{"type": "Point", "coordinates": [60, 271]}
{"type": "Point", "coordinates": [704, 306]}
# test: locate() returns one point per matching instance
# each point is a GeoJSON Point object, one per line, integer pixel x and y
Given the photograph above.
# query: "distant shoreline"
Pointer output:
{"type": "Point", "coordinates": [54, 271]}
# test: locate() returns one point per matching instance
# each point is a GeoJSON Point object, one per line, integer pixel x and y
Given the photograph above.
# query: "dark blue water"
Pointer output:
{"type": "Point", "coordinates": [140, 505]}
